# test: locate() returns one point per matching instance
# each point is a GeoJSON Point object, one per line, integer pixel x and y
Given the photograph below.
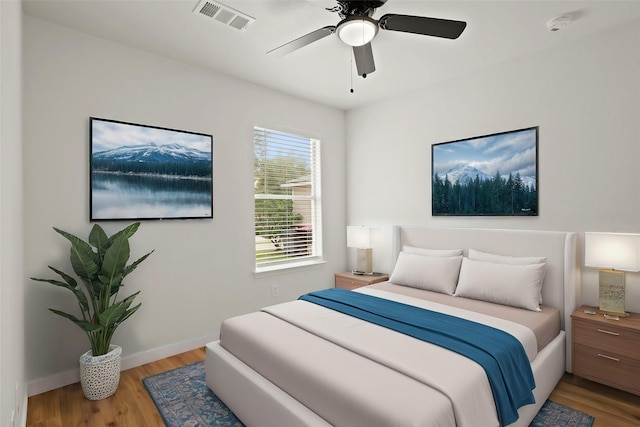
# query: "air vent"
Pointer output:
{"type": "Point", "coordinates": [223, 14]}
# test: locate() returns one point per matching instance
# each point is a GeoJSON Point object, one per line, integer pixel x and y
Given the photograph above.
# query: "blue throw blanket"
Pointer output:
{"type": "Point", "coordinates": [499, 353]}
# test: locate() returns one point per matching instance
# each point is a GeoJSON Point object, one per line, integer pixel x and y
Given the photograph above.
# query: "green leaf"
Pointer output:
{"type": "Point", "coordinates": [115, 258]}
{"type": "Point", "coordinates": [53, 282]}
{"type": "Point", "coordinates": [80, 296]}
{"type": "Point", "coordinates": [127, 231]}
{"type": "Point", "coordinates": [133, 265]}
{"type": "Point", "coordinates": [84, 324]}
{"type": "Point", "coordinates": [84, 260]}
{"type": "Point", "coordinates": [113, 314]}
{"type": "Point", "coordinates": [73, 286]}
{"type": "Point", "coordinates": [111, 283]}
{"type": "Point", "coordinates": [70, 280]}
{"type": "Point", "coordinates": [128, 300]}
{"type": "Point", "coordinates": [98, 239]}
{"type": "Point", "coordinates": [128, 313]}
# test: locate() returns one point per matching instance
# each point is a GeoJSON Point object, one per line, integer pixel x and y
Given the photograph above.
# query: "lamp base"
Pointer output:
{"type": "Point", "coordinates": [364, 260]}
{"type": "Point", "coordinates": [612, 292]}
{"type": "Point", "coordinates": [614, 316]}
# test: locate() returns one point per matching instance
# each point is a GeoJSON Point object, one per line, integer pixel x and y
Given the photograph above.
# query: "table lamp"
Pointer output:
{"type": "Point", "coordinates": [613, 253]}
{"type": "Point", "coordinates": [363, 239]}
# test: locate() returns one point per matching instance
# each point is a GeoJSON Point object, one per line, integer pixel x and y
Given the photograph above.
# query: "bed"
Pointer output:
{"type": "Point", "coordinates": [302, 363]}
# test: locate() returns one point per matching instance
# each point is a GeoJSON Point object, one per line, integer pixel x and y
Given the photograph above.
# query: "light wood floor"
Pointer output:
{"type": "Point", "coordinates": [131, 406]}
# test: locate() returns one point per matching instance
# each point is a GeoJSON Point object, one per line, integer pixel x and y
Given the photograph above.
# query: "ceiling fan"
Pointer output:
{"type": "Point", "coordinates": [357, 28]}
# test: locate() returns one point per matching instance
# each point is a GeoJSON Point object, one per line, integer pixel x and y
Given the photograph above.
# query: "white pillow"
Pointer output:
{"type": "Point", "coordinates": [432, 252]}
{"type": "Point", "coordinates": [505, 259]}
{"type": "Point", "coordinates": [508, 284]}
{"type": "Point", "coordinates": [438, 274]}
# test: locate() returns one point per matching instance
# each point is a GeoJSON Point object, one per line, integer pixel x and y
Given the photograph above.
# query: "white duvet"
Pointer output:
{"type": "Point", "coordinates": [525, 335]}
{"type": "Point", "coordinates": [462, 380]}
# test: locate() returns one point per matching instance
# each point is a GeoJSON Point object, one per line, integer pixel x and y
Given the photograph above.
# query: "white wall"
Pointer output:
{"type": "Point", "coordinates": [202, 270]}
{"type": "Point", "coordinates": [584, 96]}
{"type": "Point", "coordinates": [12, 341]}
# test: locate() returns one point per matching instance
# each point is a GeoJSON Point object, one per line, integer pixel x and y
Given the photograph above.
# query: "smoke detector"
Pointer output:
{"type": "Point", "coordinates": [223, 14]}
{"type": "Point", "coordinates": [559, 22]}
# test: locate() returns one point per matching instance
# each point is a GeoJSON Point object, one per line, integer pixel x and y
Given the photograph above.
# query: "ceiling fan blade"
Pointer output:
{"type": "Point", "coordinates": [435, 27]}
{"type": "Point", "coordinates": [364, 59]}
{"type": "Point", "coordinates": [303, 41]}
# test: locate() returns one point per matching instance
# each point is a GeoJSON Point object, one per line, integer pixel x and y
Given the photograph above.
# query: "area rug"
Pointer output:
{"type": "Point", "coordinates": [184, 400]}
{"type": "Point", "coordinates": [554, 414]}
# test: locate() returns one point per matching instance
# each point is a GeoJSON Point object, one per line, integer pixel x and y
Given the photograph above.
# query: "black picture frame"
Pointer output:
{"type": "Point", "coordinates": [143, 172]}
{"type": "Point", "coordinates": [489, 175]}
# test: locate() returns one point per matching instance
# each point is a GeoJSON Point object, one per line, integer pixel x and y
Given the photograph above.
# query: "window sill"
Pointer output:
{"type": "Point", "coordinates": [286, 267]}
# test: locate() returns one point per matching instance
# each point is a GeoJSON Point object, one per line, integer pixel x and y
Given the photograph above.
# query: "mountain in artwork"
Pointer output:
{"type": "Point", "coordinates": [153, 153]}
{"type": "Point", "coordinates": [153, 159]}
{"type": "Point", "coordinates": [465, 174]}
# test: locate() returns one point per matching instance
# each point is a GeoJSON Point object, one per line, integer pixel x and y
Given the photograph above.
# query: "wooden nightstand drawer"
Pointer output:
{"type": "Point", "coordinates": [607, 336]}
{"type": "Point", "coordinates": [345, 283]}
{"type": "Point", "coordinates": [352, 281]}
{"type": "Point", "coordinates": [607, 351]}
{"type": "Point", "coordinates": [607, 367]}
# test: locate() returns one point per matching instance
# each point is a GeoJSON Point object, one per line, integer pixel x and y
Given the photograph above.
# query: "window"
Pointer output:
{"type": "Point", "coordinates": [287, 198]}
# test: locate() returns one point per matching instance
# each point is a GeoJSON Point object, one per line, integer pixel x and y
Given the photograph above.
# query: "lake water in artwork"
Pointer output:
{"type": "Point", "coordinates": [129, 196]}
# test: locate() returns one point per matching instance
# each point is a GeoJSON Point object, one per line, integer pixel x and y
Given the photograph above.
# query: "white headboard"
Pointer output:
{"type": "Point", "coordinates": [561, 287]}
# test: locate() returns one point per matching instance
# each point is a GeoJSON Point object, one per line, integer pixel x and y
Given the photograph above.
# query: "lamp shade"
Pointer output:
{"type": "Point", "coordinates": [362, 237]}
{"type": "Point", "coordinates": [617, 251]}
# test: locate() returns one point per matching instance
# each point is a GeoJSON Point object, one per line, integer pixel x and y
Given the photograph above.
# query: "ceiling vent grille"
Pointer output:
{"type": "Point", "coordinates": [222, 13]}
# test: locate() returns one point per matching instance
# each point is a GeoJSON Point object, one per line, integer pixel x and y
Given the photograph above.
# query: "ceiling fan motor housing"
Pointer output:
{"type": "Point", "coordinates": [366, 7]}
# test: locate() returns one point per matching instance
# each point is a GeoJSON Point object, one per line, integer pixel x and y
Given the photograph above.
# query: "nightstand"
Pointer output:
{"type": "Point", "coordinates": [607, 351]}
{"type": "Point", "coordinates": [351, 281]}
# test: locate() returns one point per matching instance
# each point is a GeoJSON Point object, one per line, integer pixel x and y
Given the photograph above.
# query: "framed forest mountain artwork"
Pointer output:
{"type": "Point", "coordinates": [490, 175]}
{"type": "Point", "coordinates": [149, 172]}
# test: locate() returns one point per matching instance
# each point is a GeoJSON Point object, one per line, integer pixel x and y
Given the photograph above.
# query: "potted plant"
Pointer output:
{"type": "Point", "coordinates": [101, 265]}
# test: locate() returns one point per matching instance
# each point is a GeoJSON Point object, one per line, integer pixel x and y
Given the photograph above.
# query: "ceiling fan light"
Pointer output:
{"type": "Point", "coordinates": [357, 30]}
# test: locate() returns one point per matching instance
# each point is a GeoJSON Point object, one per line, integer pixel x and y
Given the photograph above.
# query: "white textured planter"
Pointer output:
{"type": "Point", "coordinates": [100, 375]}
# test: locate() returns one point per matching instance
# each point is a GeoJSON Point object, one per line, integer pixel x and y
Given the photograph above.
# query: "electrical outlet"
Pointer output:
{"type": "Point", "coordinates": [275, 290]}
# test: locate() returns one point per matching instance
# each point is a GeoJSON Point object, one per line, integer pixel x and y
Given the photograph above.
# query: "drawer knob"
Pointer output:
{"type": "Point", "coordinates": [608, 332]}
{"type": "Point", "coordinates": [608, 357]}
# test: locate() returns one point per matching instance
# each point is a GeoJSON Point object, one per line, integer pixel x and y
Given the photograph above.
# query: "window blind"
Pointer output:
{"type": "Point", "coordinates": [287, 196]}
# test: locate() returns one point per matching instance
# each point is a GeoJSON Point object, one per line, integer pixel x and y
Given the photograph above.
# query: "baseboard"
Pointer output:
{"type": "Point", "coordinates": [23, 412]}
{"type": "Point", "coordinates": [52, 382]}
{"type": "Point", "coordinates": [148, 356]}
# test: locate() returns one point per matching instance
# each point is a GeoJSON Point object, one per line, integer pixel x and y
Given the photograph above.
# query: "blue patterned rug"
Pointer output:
{"type": "Point", "coordinates": [553, 414]}
{"type": "Point", "coordinates": [184, 400]}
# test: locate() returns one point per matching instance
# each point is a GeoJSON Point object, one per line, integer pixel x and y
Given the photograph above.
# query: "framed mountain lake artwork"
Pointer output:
{"type": "Point", "coordinates": [490, 175]}
{"type": "Point", "coordinates": [149, 172]}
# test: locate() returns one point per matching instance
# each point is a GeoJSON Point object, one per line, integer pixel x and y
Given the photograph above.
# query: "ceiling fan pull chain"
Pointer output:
{"type": "Point", "coordinates": [351, 72]}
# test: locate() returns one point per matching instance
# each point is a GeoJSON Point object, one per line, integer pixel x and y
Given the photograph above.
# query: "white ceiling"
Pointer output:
{"type": "Point", "coordinates": [496, 31]}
